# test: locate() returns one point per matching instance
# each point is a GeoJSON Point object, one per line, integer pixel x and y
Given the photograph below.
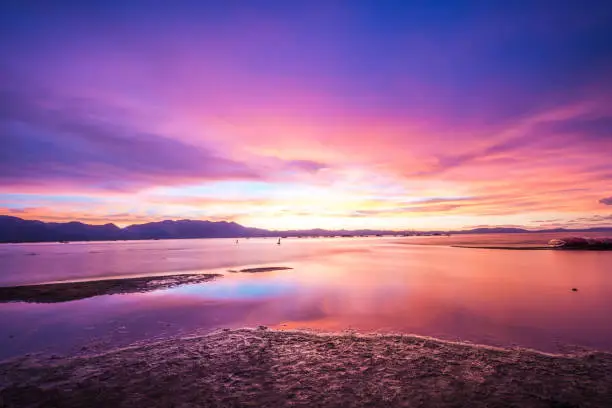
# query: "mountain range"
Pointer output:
{"type": "Point", "coordinates": [15, 229]}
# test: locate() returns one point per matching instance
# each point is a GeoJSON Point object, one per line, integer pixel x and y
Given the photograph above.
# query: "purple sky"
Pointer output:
{"type": "Point", "coordinates": [293, 114]}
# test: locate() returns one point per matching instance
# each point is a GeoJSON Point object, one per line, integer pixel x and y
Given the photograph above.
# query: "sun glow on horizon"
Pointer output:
{"type": "Point", "coordinates": [333, 123]}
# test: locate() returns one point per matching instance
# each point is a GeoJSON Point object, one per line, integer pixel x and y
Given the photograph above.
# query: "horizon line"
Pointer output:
{"type": "Point", "coordinates": [465, 229]}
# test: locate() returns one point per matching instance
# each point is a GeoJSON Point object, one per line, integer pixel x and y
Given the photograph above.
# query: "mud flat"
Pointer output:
{"type": "Point", "coordinates": [259, 367]}
{"type": "Point", "coordinates": [67, 291]}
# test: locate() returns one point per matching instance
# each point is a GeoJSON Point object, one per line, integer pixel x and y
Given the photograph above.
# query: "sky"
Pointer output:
{"type": "Point", "coordinates": [303, 114]}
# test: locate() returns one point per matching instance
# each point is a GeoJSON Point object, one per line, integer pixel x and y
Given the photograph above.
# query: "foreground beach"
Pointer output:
{"type": "Point", "coordinates": [260, 367]}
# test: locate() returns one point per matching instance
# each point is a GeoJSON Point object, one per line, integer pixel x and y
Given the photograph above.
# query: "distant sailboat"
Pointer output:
{"type": "Point", "coordinates": [278, 243]}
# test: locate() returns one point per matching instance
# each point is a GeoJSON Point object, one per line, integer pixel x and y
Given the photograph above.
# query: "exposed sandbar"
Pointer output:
{"type": "Point", "coordinates": [262, 269]}
{"type": "Point", "coordinates": [515, 248]}
{"type": "Point", "coordinates": [533, 248]}
{"type": "Point", "coordinates": [67, 291]}
{"type": "Point", "coordinates": [271, 368]}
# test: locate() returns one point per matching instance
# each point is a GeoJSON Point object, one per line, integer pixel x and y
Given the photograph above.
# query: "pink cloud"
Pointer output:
{"type": "Point", "coordinates": [402, 117]}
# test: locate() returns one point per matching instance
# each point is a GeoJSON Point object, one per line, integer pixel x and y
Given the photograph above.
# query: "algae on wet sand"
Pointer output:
{"type": "Point", "coordinates": [249, 367]}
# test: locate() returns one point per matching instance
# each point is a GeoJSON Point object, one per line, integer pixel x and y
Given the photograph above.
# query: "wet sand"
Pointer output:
{"type": "Point", "coordinates": [260, 367]}
{"type": "Point", "coordinates": [67, 291]}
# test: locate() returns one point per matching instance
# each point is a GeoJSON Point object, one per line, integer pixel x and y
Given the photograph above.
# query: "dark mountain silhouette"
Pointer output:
{"type": "Point", "coordinates": [493, 230]}
{"type": "Point", "coordinates": [593, 229]}
{"type": "Point", "coordinates": [190, 229]}
{"type": "Point", "coordinates": [14, 229]}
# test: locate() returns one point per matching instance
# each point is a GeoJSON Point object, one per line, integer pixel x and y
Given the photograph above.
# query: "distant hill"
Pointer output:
{"type": "Point", "coordinates": [190, 229]}
{"type": "Point", "coordinates": [14, 229]}
{"type": "Point", "coordinates": [493, 230]}
{"type": "Point", "coordinates": [594, 229]}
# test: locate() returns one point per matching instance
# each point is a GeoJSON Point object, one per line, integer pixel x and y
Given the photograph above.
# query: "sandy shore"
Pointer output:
{"type": "Point", "coordinates": [273, 368]}
{"type": "Point", "coordinates": [67, 291]}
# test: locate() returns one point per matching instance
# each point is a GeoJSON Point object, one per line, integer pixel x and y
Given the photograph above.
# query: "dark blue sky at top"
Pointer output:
{"type": "Point", "coordinates": [532, 50]}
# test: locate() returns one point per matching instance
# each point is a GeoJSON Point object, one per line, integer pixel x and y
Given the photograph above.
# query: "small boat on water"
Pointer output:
{"type": "Point", "coordinates": [278, 243]}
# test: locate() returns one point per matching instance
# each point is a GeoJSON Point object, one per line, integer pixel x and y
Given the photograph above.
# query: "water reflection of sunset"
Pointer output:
{"type": "Point", "coordinates": [483, 295]}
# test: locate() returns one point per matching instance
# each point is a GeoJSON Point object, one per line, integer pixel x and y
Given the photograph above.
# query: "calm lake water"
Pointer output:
{"type": "Point", "coordinates": [417, 285]}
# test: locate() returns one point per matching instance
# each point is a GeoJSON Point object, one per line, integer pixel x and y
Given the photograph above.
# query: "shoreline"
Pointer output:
{"type": "Point", "coordinates": [256, 367]}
